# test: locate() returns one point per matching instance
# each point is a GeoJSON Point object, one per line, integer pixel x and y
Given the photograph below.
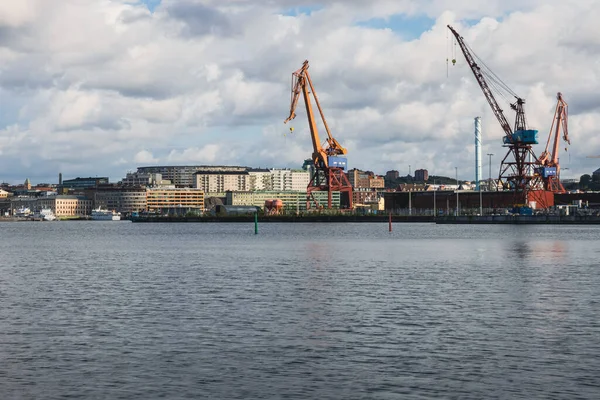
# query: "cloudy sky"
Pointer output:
{"type": "Point", "coordinates": [100, 87]}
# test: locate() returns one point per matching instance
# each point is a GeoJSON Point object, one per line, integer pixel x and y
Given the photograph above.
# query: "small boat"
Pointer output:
{"type": "Point", "coordinates": [47, 215]}
{"type": "Point", "coordinates": [105, 215]}
{"type": "Point", "coordinates": [23, 212]}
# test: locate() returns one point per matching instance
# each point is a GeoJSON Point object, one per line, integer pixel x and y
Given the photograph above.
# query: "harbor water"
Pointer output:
{"type": "Point", "coordinates": [116, 310]}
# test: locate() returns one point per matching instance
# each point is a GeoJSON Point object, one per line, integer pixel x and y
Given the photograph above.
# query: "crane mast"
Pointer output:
{"type": "Point", "coordinates": [329, 166]}
{"type": "Point", "coordinates": [517, 170]}
{"type": "Point", "coordinates": [549, 160]}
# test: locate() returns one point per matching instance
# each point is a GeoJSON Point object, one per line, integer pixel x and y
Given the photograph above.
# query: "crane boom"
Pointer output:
{"type": "Point", "coordinates": [302, 84]}
{"type": "Point", "coordinates": [483, 84]}
{"type": "Point", "coordinates": [560, 120]}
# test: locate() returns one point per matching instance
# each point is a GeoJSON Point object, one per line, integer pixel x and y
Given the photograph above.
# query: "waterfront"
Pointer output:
{"type": "Point", "coordinates": [349, 310]}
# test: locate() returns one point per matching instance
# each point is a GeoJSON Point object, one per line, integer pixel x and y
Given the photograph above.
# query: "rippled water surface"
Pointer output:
{"type": "Point", "coordinates": [116, 310]}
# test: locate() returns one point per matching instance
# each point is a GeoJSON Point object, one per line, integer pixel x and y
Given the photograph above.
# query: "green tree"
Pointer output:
{"type": "Point", "coordinates": [584, 181]}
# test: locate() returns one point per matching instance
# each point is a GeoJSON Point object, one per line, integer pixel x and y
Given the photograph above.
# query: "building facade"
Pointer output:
{"type": "Point", "coordinates": [289, 180]}
{"type": "Point", "coordinates": [222, 181]}
{"type": "Point", "coordinates": [421, 175]}
{"type": "Point", "coordinates": [376, 182]}
{"type": "Point", "coordinates": [124, 199]}
{"type": "Point", "coordinates": [260, 179]}
{"type": "Point", "coordinates": [143, 179]}
{"type": "Point", "coordinates": [176, 201]}
{"type": "Point", "coordinates": [358, 178]}
{"type": "Point", "coordinates": [61, 205]}
{"type": "Point", "coordinates": [391, 175]}
{"type": "Point", "coordinates": [83, 183]}
{"type": "Point", "coordinates": [292, 201]}
{"type": "Point", "coordinates": [185, 175]}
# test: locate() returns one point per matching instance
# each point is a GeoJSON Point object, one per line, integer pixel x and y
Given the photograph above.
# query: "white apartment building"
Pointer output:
{"type": "Point", "coordinates": [289, 180]}
{"type": "Point", "coordinates": [222, 181]}
{"type": "Point", "coordinates": [142, 179]}
{"type": "Point", "coordinates": [260, 179]}
{"type": "Point", "coordinates": [184, 175]}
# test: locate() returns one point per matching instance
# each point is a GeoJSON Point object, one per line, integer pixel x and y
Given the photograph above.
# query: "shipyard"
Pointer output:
{"type": "Point", "coordinates": [230, 199]}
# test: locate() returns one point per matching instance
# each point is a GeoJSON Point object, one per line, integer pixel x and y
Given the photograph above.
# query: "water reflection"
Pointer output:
{"type": "Point", "coordinates": [527, 250]}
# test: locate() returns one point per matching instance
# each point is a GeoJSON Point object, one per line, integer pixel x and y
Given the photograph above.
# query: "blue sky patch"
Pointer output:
{"type": "Point", "coordinates": [408, 27]}
{"type": "Point", "coordinates": [151, 4]}
{"type": "Point", "coordinates": [294, 12]}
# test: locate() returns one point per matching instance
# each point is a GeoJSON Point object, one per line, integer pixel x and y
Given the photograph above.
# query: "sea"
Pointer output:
{"type": "Point", "coordinates": [121, 310]}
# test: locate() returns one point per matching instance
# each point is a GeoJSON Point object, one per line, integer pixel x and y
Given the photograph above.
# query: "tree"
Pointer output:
{"type": "Point", "coordinates": [584, 181]}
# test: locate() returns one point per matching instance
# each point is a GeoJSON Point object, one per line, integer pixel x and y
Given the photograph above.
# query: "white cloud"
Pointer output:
{"type": "Point", "coordinates": [144, 157]}
{"type": "Point", "coordinates": [84, 86]}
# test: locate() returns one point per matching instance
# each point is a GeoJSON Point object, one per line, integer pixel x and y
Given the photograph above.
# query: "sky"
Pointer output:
{"type": "Point", "coordinates": [101, 87]}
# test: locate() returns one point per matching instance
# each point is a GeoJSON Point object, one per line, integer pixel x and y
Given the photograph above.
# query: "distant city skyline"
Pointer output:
{"type": "Point", "coordinates": [105, 87]}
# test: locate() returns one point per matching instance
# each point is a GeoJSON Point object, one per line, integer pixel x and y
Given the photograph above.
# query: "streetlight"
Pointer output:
{"type": "Point", "coordinates": [490, 180]}
{"type": "Point", "coordinates": [456, 178]}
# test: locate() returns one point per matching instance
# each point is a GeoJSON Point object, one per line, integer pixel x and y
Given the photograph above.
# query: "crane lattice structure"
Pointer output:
{"type": "Point", "coordinates": [328, 164]}
{"type": "Point", "coordinates": [549, 161]}
{"type": "Point", "coordinates": [518, 167]}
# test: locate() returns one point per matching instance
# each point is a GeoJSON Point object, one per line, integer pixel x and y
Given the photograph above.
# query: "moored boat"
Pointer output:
{"type": "Point", "coordinates": [105, 215]}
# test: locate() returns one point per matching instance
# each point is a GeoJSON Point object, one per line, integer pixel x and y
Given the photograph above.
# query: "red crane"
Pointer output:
{"type": "Point", "coordinates": [329, 166]}
{"type": "Point", "coordinates": [518, 167]}
{"type": "Point", "coordinates": [549, 164]}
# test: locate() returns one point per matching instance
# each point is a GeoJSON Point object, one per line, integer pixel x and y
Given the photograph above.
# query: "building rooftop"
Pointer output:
{"type": "Point", "coordinates": [217, 172]}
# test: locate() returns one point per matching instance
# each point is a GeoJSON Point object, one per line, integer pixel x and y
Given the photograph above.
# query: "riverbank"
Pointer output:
{"type": "Point", "coordinates": [521, 219]}
{"type": "Point", "coordinates": [289, 218]}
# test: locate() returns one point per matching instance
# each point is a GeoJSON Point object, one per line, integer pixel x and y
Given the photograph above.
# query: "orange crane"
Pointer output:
{"type": "Point", "coordinates": [549, 164]}
{"type": "Point", "coordinates": [327, 157]}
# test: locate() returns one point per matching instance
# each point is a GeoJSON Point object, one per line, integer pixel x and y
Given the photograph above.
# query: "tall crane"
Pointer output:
{"type": "Point", "coordinates": [518, 167]}
{"type": "Point", "coordinates": [329, 165]}
{"type": "Point", "coordinates": [549, 163]}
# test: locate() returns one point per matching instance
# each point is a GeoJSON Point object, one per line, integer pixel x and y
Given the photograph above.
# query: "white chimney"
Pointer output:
{"type": "Point", "coordinates": [477, 152]}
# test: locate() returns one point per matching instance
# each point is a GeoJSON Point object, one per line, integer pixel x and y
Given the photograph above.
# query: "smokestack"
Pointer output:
{"type": "Point", "coordinates": [477, 152]}
{"type": "Point", "coordinates": [60, 178]}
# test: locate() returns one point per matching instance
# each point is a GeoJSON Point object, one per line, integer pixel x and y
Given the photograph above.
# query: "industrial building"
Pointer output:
{"type": "Point", "coordinates": [458, 201]}
{"type": "Point", "coordinates": [292, 201]}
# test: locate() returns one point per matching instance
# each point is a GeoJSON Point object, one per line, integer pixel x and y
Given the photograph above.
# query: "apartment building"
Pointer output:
{"type": "Point", "coordinates": [260, 179]}
{"type": "Point", "coordinates": [124, 199]}
{"type": "Point", "coordinates": [177, 201]}
{"type": "Point", "coordinates": [143, 179]}
{"type": "Point", "coordinates": [185, 175]}
{"type": "Point", "coordinates": [222, 181]}
{"type": "Point", "coordinates": [289, 179]}
{"type": "Point", "coordinates": [421, 175]}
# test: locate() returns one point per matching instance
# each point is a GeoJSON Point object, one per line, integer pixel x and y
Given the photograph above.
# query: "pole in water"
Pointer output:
{"type": "Point", "coordinates": [256, 223]}
{"type": "Point", "coordinates": [390, 221]}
